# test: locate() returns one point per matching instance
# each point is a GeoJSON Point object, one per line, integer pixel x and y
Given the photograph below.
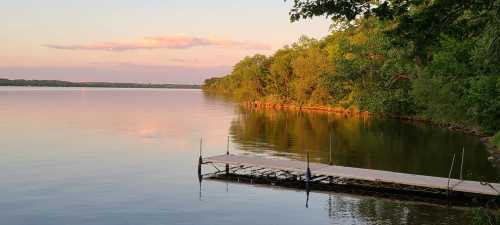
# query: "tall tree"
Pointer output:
{"type": "Point", "coordinates": [419, 21]}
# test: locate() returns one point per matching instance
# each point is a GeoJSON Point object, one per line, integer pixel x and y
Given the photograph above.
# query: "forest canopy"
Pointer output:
{"type": "Point", "coordinates": [438, 60]}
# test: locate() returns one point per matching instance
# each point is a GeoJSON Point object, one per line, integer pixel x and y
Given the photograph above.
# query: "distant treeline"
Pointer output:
{"type": "Point", "coordinates": [60, 83]}
{"type": "Point", "coordinates": [437, 60]}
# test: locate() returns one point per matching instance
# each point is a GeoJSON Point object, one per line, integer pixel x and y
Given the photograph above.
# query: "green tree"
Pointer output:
{"type": "Point", "coordinates": [281, 74]}
{"type": "Point", "coordinates": [420, 22]}
{"type": "Point", "coordinates": [311, 67]}
{"type": "Point", "coordinates": [249, 76]}
{"type": "Point", "coordinates": [435, 59]}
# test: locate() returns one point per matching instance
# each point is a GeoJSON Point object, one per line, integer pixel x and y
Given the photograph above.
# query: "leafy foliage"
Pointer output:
{"type": "Point", "coordinates": [434, 59]}
{"type": "Point", "coordinates": [420, 22]}
{"type": "Point", "coordinates": [496, 140]}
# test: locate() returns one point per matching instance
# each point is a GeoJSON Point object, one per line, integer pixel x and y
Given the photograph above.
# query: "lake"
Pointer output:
{"type": "Point", "coordinates": [129, 156]}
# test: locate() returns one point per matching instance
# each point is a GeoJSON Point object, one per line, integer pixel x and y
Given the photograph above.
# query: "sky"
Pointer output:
{"type": "Point", "coordinates": [149, 41]}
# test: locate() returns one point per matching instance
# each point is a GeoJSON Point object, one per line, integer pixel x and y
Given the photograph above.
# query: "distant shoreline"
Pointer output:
{"type": "Point", "coordinates": [61, 83]}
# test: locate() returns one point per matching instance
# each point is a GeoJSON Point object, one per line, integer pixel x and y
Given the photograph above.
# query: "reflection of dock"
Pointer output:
{"type": "Point", "coordinates": [281, 170]}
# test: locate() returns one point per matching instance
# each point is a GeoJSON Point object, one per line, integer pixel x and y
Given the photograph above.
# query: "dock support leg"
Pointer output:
{"type": "Point", "coordinates": [449, 175]}
{"type": "Point", "coordinates": [330, 162]}
{"type": "Point", "coordinates": [200, 163]}
{"type": "Point", "coordinates": [462, 165]}
{"type": "Point", "coordinates": [227, 153]}
{"type": "Point", "coordinates": [308, 180]}
{"type": "Point", "coordinates": [308, 173]}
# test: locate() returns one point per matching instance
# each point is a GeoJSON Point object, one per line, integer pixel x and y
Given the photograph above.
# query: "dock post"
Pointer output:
{"type": "Point", "coordinates": [200, 176]}
{"type": "Point", "coordinates": [308, 180]}
{"type": "Point", "coordinates": [308, 172]}
{"type": "Point", "coordinates": [330, 161]}
{"type": "Point", "coordinates": [462, 164]}
{"type": "Point", "coordinates": [200, 162]}
{"type": "Point", "coordinates": [330, 179]}
{"type": "Point", "coordinates": [449, 175]}
{"type": "Point", "coordinates": [227, 153]}
{"type": "Point", "coordinates": [227, 149]}
{"type": "Point", "coordinates": [307, 198]}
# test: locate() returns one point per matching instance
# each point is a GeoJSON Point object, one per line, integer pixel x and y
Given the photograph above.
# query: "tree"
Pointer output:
{"type": "Point", "coordinates": [310, 68]}
{"type": "Point", "coordinates": [418, 21]}
{"type": "Point", "coordinates": [437, 59]}
{"type": "Point", "coordinates": [250, 76]}
{"type": "Point", "coordinates": [281, 74]}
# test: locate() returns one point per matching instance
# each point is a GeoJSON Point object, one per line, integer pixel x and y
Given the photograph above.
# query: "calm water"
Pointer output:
{"type": "Point", "coordinates": [128, 156]}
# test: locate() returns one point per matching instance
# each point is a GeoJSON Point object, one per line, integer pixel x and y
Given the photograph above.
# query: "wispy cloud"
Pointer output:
{"type": "Point", "coordinates": [182, 60]}
{"type": "Point", "coordinates": [163, 42]}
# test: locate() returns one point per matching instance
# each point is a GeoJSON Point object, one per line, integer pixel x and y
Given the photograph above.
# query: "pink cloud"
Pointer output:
{"type": "Point", "coordinates": [163, 42]}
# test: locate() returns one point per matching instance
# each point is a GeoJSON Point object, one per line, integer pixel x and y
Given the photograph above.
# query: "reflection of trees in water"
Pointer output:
{"type": "Point", "coordinates": [288, 131]}
{"type": "Point", "coordinates": [358, 142]}
{"type": "Point", "coordinates": [352, 210]}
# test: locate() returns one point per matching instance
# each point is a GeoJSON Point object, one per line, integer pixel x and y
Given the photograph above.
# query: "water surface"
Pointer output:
{"type": "Point", "coordinates": [374, 143]}
{"type": "Point", "coordinates": [128, 156]}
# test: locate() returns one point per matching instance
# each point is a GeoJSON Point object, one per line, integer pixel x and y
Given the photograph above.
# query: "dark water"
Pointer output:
{"type": "Point", "coordinates": [384, 144]}
{"type": "Point", "coordinates": [128, 156]}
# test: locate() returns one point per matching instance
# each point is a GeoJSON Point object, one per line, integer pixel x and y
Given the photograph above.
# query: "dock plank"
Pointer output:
{"type": "Point", "coordinates": [317, 169]}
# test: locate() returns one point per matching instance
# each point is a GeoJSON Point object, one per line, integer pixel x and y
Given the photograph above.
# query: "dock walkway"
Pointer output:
{"type": "Point", "coordinates": [367, 175]}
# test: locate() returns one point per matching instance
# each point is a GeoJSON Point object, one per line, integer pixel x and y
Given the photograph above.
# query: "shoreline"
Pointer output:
{"type": "Point", "coordinates": [62, 83]}
{"type": "Point", "coordinates": [355, 112]}
{"type": "Point", "coordinates": [39, 86]}
{"type": "Point", "coordinates": [486, 139]}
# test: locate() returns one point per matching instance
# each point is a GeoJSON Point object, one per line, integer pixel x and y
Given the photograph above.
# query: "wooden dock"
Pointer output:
{"type": "Point", "coordinates": [328, 173]}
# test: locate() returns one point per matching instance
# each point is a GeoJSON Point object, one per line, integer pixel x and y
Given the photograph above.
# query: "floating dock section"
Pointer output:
{"type": "Point", "coordinates": [254, 167]}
